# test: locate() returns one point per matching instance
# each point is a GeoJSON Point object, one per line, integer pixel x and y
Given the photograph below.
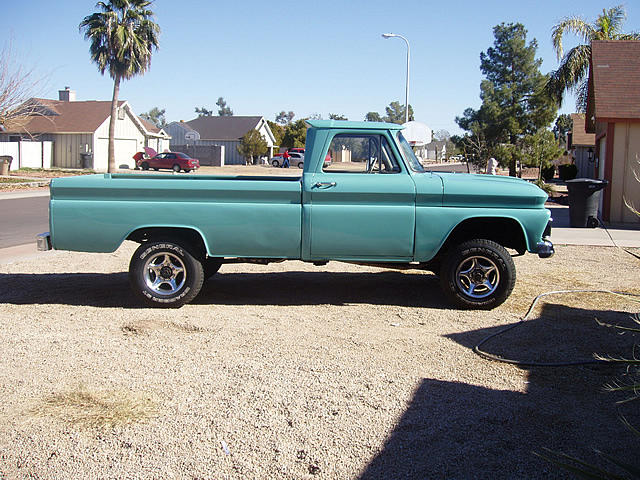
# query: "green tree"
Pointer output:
{"type": "Point", "coordinates": [277, 130]}
{"type": "Point", "coordinates": [285, 118]}
{"type": "Point", "coordinates": [563, 125]}
{"type": "Point", "coordinates": [514, 102]}
{"type": "Point", "coordinates": [203, 112]}
{"type": "Point", "coordinates": [295, 134]}
{"type": "Point", "coordinates": [155, 116]}
{"type": "Point", "coordinates": [122, 37]}
{"type": "Point", "coordinates": [224, 110]}
{"type": "Point", "coordinates": [540, 149]}
{"type": "Point", "coordinates": [372, 117]}
{"type": "Point", "coordinates": [573, 71]}
{"type": "Point", "coordinates": [336, 116]}
{"type": "Point", "coordinates": [396, 113]}
{"type": "Point", "coordinates": [252, 144]}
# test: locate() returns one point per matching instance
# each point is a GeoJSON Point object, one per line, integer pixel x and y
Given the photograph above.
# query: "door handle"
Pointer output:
{"type": "Point", "coordinates": [325, 184]}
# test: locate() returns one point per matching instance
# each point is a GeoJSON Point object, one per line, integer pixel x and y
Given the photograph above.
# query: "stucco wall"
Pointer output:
{"type": "Point", "coordinates": [624, 185]}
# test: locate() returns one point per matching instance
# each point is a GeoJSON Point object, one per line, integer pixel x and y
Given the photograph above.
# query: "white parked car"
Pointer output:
{"type": "Point", "coordinates": [295, 159]}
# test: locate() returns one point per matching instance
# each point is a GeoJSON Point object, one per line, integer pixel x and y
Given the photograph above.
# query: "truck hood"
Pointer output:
{"type": "Point", "coordinates": [495, 191]}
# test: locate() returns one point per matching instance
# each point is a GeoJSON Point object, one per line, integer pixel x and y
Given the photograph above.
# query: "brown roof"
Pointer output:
{"type": "Point", "coordinates": [614, 84]}
{"type": "Point", "coordinates": [150, 127]}
{"type": "Point", "coordinates": [64, 117]}
{"type": "Point", "coordinates": [579, 137]}
{"type": "Point", "coordinates": [223, 128]}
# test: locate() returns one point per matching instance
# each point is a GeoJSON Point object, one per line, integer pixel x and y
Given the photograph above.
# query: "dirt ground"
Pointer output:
{"type": "Point", "coordinates": [294, 371]}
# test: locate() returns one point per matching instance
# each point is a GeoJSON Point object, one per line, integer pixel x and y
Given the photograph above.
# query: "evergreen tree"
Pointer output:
{"type": "Point", "coordinates": [372, 117]}
{"type": "Point", "coordinates": [155, 116]}
{"type": "Point", "coordinates": [252, 144]}
{"type": "Point", "coordinates": [514, 102]}
{"type": "Point", "coordinates": [224, 110]}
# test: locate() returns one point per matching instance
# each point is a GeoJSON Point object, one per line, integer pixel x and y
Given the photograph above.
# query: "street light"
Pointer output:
{"type": "Point", "coordinates": [406, 98]}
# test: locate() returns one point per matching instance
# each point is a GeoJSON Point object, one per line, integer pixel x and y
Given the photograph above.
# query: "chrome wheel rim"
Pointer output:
{"type": "Point", "coordinates": [164, 274]}
{"type": "Point", "coordinates": [477, 277]}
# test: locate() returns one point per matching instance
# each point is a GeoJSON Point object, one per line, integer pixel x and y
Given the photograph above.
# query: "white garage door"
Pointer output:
{"type": "Point", "coordinates": [125, 149]}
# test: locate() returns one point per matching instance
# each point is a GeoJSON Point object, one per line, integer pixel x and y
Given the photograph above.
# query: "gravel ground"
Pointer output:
{"type": "Point", "coordinates": [295, 371]}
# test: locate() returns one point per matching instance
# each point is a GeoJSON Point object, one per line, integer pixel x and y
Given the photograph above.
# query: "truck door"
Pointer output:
{"type": "Point", "coordinates": [363, 203]}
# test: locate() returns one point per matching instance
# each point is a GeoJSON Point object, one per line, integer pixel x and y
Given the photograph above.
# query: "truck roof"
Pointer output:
{"type": "Point", "coordinates": [354, 125]}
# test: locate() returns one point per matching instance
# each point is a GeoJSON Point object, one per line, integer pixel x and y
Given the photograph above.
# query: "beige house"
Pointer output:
{"type": "Point", "coordinates": [79, 131]}
{"type": "Point", "coordinates": [613, 114]}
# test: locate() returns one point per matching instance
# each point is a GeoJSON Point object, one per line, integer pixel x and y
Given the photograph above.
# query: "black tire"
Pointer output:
{"type": "Point", "coordinates": [145, 165]}
{"type": "Point", "coordinates": [176, 168]}
{"type": "Point", "coordinates": [165, 274]}
{"type": "Point", "coordinates": [301, 165]}
{"type": "Point", "coordinates": [156, 169]}
{"type": "Point", "coordinates": [275, 163]}
{"type": "Point", "coordinates": [186, 170]}
{"type": "Point", "coordinates": [211, 267]}
{"type": "Point", "coordinates": [477, 274]}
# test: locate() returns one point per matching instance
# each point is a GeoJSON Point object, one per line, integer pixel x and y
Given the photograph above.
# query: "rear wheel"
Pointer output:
{"type": "Point", "coordinates": [165, 274]}
{"type": "Point", "coordinates": [145, 165]}
{"type": "Point", "coordinates": [478, 274]}
{"type": "Point", "coordinates": [275, 163]}
{"type": "Point", "coordinates": [176, 168]}
{"type": "Point", "coordinates": [300, 165]}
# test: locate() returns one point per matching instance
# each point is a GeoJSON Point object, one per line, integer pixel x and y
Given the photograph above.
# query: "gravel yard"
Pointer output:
{"type": "Point", "coordinates": [296, 371]}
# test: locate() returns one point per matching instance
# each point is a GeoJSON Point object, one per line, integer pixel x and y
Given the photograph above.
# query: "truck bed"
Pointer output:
{"type": "Point", "coordinates": [237, 215]}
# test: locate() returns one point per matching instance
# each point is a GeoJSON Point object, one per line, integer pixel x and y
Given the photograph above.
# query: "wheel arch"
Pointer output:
{"type": "Point", "coordinates": [188, 235]}
{"type": "Point", "coordinates": [506, 231]}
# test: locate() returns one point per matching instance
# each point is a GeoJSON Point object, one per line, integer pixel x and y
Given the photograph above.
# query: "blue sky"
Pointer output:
{"type": "Point", "coordinates": [308, 57]}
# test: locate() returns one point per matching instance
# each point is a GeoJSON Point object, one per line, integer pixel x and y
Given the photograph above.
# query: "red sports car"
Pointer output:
{"type": "Point", "coordinates": [175, 161]}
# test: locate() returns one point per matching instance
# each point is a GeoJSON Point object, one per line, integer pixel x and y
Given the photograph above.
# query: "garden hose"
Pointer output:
{"type": "Point", "coordinates": [522, 363]}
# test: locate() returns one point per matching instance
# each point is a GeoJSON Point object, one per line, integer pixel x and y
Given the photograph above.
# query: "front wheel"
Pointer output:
{"type": "Point", "coordinates": [478, 274]}
{"type": "Point", "coordinates": [301, 165]}
{"type": "Point", "coordinates": [145, 165]}
{"type": "Point", "coordinates": [275, 163]}
{"type": "Point", "coordinates": [165, 274]}
{"type": "Point", "coordinates": [176, 168]}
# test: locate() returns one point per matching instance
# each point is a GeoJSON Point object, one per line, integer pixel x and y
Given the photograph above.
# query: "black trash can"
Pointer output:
{"type": "Point", "coordinates": [584, 200]}
{"type": "Point", "coordinates": [87, 160]}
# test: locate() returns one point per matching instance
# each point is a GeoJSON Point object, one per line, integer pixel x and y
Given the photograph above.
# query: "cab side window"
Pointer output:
{"type": "Point", "coordinates": [369, 154]}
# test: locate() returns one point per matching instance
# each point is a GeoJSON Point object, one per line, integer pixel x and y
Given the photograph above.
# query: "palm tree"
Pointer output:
{"type": "Point", "coordinates": [122, 35]}
{"type": "Point", "coordinates": [574, 66]}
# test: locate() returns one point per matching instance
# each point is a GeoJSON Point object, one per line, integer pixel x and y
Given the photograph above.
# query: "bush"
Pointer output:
{"type": "Point", "coordinates": [567, 171]}
{"type": "Point", "coordinates": [548, 173]}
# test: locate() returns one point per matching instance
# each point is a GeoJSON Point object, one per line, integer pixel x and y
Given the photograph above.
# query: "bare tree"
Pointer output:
{"type": "Point", "coordinates": [18, 85]}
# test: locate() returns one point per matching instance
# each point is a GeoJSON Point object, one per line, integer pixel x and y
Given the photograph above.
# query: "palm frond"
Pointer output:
{"type": "Point", "coordinates": [572, 71]}
{"type": "Point", "coordinates": [611, 20]}
{"type": "Point", "coordinates": [576, 25]}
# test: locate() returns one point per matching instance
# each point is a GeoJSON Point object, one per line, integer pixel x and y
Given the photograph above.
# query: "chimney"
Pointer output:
{"type": "Point", "coordinates": [67, 95]}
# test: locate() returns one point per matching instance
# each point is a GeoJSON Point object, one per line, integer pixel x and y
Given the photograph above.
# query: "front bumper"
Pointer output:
{"type": "Point", "coordinates": [43, 241]}
{"type": "Point", "coordinates": [545, 247]}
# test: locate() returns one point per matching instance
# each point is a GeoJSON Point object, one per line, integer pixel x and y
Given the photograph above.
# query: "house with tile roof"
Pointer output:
{"type": "Point", "coordinates": [219, 131]}
{"type": "Point", "coordinates": [80, 130]}
{"type": "Point", "coordinates": [613, 115]}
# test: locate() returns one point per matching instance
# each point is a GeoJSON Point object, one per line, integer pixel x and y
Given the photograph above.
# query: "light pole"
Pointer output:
{"type": "Point", "coordinates": [406, 97]}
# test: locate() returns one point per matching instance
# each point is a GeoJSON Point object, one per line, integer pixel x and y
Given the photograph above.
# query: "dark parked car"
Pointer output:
{"type": "Point", "coordinates": [175, 161]}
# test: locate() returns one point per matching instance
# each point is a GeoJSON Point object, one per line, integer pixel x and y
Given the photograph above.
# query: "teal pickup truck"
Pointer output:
{"type": "Point", "coordinates": [374, 204]}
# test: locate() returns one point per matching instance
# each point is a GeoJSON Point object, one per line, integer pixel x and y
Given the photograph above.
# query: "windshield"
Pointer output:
{"type": "Point", "coordinates": [184, 155]}
{"type": "Point", "coordinates": [409, 156]}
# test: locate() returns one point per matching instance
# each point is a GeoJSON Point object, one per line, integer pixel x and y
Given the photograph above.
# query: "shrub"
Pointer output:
{"type": "Point", "coordinates": [567, 171]}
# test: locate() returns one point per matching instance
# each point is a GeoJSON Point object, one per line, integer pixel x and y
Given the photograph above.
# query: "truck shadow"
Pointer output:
{"type": "Point", "coordinates": [313, 288]}
{"type": "Point", "coordinates": [458, 430]}
{"type": "Point", "coordinates": [286, 288]}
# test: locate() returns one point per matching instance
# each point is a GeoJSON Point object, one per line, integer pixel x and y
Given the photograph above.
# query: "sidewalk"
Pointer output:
{"type": "Point", "coordinates": [563, 234]}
